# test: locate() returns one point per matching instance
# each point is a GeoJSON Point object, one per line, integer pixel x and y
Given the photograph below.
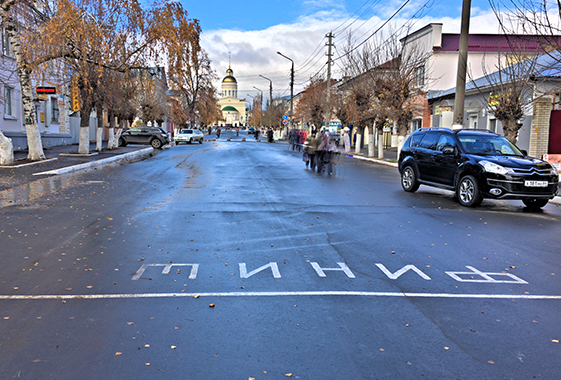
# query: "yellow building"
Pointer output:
{"type": "Point", "coordinates": [233, 109]}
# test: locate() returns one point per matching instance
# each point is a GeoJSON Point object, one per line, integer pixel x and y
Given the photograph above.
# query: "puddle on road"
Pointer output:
{"type": "Point", "coordinates": [30, 192]}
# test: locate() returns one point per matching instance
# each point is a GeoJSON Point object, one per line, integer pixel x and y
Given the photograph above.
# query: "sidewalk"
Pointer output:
{"type": "Point", "coordinates": [65, 159]}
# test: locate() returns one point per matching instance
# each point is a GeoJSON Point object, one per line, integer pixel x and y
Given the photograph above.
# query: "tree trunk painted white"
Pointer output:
{"type": "Point", "coordinates": [380, 144]}
{"type": "Point", "coordinates": [6, 150]}
{"type": "Point", "coordinates": [34, 143]}
{"type": "Point", "coordinates": [111, 139]}
{"type": "Point", "coordinates": [99, 129]}
{"type": "Point", "coordinates": [400, 142]}
{"type": "Point", "coordinates": [358, 141]}
{"type": "Point", "coordinates": [371, 131]}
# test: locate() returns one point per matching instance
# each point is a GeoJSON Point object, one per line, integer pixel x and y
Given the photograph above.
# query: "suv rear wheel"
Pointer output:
{"type": "Point", "coordinates": [467, 192]}
{"type": "Point", "coordinates": [409, 180]}
{"type": "Point", "coordinates": [535, 204]}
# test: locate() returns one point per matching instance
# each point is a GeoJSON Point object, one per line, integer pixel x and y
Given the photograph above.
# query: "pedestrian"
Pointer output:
{"type": "Point", "coordinates": [218, 132]}
{"type": "Point", "coordinates": [310, 148]}
{"type": "Point", "coordinates": [346, 140]}
{"type": "Point", "coordinates": [270, 135]}
{"type": "Point", "coordinates": [237, 131]}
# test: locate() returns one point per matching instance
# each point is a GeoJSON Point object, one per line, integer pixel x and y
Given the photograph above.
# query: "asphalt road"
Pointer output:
{"type": "Point", "coordinates": [230, 260]}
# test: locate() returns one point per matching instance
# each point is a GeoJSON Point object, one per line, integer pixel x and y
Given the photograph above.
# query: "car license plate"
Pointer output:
{"type": "Point", "coordinates": [535, 183]}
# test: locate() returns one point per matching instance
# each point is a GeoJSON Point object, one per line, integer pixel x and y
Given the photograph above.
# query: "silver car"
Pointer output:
{"type": "Point", "coordinates": [188, 136]}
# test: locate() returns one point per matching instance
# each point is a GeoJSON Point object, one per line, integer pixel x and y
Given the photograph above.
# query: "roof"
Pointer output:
{"type": "Point", "coordinates": [229, 108]}
{"type": "Point", "coordinates": [229, 78]}
{"type": "Point", "coordinates": [496, 42]}
{"type": "Point", "coordinates": [546, 66]}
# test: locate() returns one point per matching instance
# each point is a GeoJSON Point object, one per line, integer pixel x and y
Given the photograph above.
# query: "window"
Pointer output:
{"type": "Point", "coordinates": [429, 141]}
{"type": "Point", "coordinates": [416, 124]}
{"type": "Point", "coordinates": [6, 46]}
{"type": "Point", "coordinates": [445, 142]}
{"type": "Point", "coordinates": [473, 121]}
{"type": "Point", "coordinates": [55, 113]}
{"type": "Point", "coordinates": [492, 125]}
{"type": "Point", "coordinates": [8, 111]}
{"type": "Point", "coordinates": [420, 76]}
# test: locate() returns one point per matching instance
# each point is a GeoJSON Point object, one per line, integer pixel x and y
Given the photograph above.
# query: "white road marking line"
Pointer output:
{"type": "Point", "coordinates": [281, 294]}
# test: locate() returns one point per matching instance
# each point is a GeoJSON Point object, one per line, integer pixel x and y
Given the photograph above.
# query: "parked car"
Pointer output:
{"type": "Point", "coordinates": [476, 164]}
{"type": "Point", "coordinates": [154, 136]}
{"type": "Point", "coordinates": [188, 136]}
{"type": "Point", "coordinates": [251, 131]}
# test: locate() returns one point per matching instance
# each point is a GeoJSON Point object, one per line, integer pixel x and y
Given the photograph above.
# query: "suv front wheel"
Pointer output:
{"type": "Point", "coordinates": [156, 143]}
{"type": "Point", "coordinates": [467, 192]}
{"type": "Point", "coordinates": [409, 180]}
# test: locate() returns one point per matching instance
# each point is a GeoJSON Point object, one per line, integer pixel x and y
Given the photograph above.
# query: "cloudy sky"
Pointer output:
{"type": "Point", "coordinates": [253, 31]}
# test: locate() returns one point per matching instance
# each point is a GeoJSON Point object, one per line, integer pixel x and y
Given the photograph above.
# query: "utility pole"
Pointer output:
{"type": "Point", "coordinates": [291, 90]}
{"type": "Point", "coordinates": [462, 67]}
{"type": "Point", "coordinates": [328, 96]}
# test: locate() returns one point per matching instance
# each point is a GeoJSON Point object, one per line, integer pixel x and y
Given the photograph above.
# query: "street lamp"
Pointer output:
{"type": "Point", "coordinates": [260, 105]}
{"type": "Point", "coordinates": [270, 97]}
{"type": "Point", "coordinates": [291, 87]}
{"type": "Point", "coordinates": [252, 97]}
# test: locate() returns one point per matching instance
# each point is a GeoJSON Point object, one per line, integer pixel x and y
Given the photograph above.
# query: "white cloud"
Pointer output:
{"type": "Point", "coordinates": [254, 52]}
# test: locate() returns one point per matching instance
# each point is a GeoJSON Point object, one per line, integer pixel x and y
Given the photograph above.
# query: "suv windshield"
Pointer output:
{"type": "Point", "coordinates": [488, 145]}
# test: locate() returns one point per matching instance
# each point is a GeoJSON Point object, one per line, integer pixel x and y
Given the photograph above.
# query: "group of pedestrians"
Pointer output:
{"type": "Point", "coordinates": [296, 139]}
{"type": "Point", "coordinates": [320, 152]}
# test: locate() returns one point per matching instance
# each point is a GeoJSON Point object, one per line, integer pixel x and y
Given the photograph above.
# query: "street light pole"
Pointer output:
{"type": "Point", "coordinates": [260, 105]}
{"type": "Point", "coordinates": [270, 97]}
{"type": "Point", "coordinates": [291, 88]}
{"type": "Point", "coordinates": [252, 97]}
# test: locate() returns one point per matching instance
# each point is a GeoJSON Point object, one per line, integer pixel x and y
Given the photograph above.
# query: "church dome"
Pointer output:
{"type": "Point", "coordinates": [229, 79]}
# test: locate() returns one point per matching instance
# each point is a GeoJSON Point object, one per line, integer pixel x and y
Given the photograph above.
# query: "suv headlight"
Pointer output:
{"type": "Point", "coordinates": [491, 167]}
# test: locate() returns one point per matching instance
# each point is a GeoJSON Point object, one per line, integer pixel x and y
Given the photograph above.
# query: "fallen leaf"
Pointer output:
{"type": "Point", "coordinates": [118, 353]}
{"type": "Point", "coordinates": [130, 323]}
{"type": "Point", "coordinates": [6, 317]}
{"type": "Point", "coordinates": [147, 363]}
{"type": "Point", "coordinates": [109, 218]}
{"type": "Point", "coordinates": [211, 305]}
{"type": "Point", "coordinates": [196, 296]}
{"type": "Point", "coordinates": [288, 374]}
{"type": "Point", "coordinates": [173, 347]}
{"type": "Point", "coordinates": [176, 328]}
{"type": "Point", "coordinates": [555, 340]}
{"type": "Point", "coordinates": [382, 350]}
{"type": "Point", "coordinates": [446, 348]}
{"type": "Point", "coordinates": [490, 362]}
{"type": "Point", "coordinates": [36, 360]}
{"type": "Point", "coordinates": [146, 345]}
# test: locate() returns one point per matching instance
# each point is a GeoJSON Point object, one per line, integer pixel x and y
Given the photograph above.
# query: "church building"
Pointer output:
{"type": "Point", "coordinates": [233, 109]}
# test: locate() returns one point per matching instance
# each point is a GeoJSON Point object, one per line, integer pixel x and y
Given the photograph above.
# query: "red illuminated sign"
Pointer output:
{"type": "Point", "coordinates": [46, 90]}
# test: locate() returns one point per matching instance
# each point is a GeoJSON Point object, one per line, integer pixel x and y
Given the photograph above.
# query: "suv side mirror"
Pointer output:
{"type": "Point", "coordinates": [449, 150]}
{"type": "Point", "coordinates": [524, 152]}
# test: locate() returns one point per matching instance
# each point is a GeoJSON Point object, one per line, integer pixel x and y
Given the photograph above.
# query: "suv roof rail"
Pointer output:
{"type": "Point", "coordinates": [433, 129]}
{"type": "Point", "coordinates": [475, 130]}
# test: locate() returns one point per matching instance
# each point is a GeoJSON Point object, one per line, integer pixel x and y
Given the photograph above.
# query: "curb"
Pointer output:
{"type": "Point", "coordinates": [374, 160]}
{"type": "Point", "coordinates": [106, 162]}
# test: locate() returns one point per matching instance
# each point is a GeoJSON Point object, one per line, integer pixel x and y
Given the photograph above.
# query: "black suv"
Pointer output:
{"type": "Point", "coordinates": [154, 136]}
{"type": "Point", "coordinates": [476, 164]}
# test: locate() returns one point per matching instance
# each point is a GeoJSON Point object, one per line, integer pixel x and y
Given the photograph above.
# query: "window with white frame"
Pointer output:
{"type": "Point", "coordinates": [6, 46]}
{"type": "Point", "coordinates": [8, 93]}
{"type": "Point", "coordinates": [416, 124]}
{"type": "Point", "coordinates": [492, 125]}
{"type": "Point", "coordinates": [420, 76]}
{"type": "Point", "coordinates": [55, 113]}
